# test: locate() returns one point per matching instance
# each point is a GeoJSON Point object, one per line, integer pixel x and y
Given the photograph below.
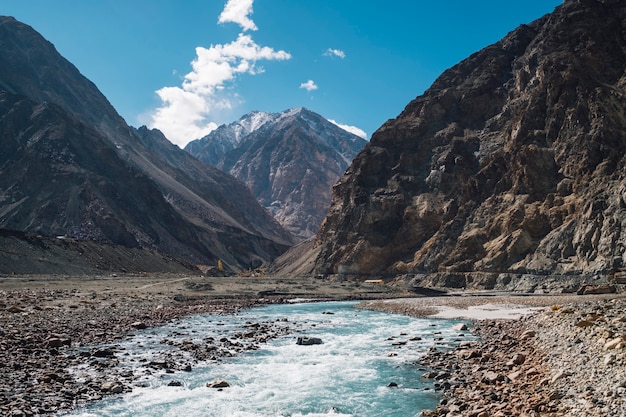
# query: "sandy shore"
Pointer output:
{"type": "Point", "coordinates": [51, 324]}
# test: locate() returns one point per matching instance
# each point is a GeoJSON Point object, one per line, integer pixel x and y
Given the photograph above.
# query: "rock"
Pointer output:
{"type": "Point", "coordinates": [613, 343]}
{"type": "Point", "coordinates": [112, 387]}
{"type": "Point", "coordinates": [103, 353]}
{"type": "Point", "coordinates": [460, 327]}
{"type": "Point", "coordinates": [518, 359]}
{"type": "Point", "coordinates": [139, 325]}
{"type": "Point", "coordinates": [308, 341]}
{"type": "Point", "coordinates": [56, 342]}
{"type": "Point", "coordinates": [392, 384]}
{"type": "Point", "coordinates": [218, 383]}
{"type": "Point", "coordinates": [597, 289]}
{"type": "Point", "coordinates": [560, 374]}
{"type": "Point", "coordinates": [158, 364]}
{"type": "Point", "coordinates": [174, 383]}
{"type": "Point", "coordinates": [528, 334]}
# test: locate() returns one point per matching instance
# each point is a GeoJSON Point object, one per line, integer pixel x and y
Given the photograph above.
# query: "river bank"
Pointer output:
{"type": "Point", "coordinates": [566, 359]}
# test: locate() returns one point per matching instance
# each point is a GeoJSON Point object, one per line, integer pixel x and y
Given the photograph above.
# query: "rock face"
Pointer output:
{"type": "Point", "coordinates": [70, 166]}
{"type": "Point", "coordinates": [513, 161]}
{"type": "Point", "coordinates": [290, 161]}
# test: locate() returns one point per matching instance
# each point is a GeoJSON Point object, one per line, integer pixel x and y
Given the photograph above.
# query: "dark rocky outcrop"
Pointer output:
{"type": "Point", "coordinates": [290, 161]}
{"type": "Point", "coordinates": [513, 161]}
{"type": "Point", "coordinates": [69, 165]}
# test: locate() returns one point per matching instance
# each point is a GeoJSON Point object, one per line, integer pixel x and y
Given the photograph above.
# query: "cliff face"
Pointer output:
{"type": "Point", "coordinates": [514, 160]}
{"type": "Point", "coordinates": [69, 165]}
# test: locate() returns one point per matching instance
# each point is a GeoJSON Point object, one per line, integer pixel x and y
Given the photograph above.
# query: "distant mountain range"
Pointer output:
{"type": "Point", "coordinates": [70, 166]}
{"type": "Point", "coordinates": [289, 160]}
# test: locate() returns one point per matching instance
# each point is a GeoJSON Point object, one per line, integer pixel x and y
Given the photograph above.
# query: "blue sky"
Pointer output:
{"type": "Point", "coordinates": [187, 66]}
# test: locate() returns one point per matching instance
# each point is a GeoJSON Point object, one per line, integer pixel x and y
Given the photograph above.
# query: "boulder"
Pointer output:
{"type": "Point", "coordinates": [113, 387]}
{"type": "Point", "coordinates": [217, 383]}
{"type": "Point", "coordinates": [308, 341]}
{"type": "Point", "coordinates": [587, 289]}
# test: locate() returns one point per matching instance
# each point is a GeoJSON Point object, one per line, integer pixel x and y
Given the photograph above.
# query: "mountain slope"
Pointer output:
{"type": "Point", "coordinates": [512, 162]}
{"type": "Point", "coordinates": [202, 214]}
{"type": "Point", "coordinates": [290, 161]}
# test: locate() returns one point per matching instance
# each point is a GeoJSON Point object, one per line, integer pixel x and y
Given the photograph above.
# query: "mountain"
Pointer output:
{"type": "Point", "coordinates": [513, 162]}
{"type": "Point", "coordinates": [71, 166]}
{"type": "Point", "coordinates": [290, 161]}
{"type": "Point", "coordinates": [226, 138]}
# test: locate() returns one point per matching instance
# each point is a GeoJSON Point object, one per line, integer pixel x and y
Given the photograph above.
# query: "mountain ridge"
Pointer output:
{"type": "Point", "coordinates": [510, 163]}
{"type": "Point", "coordinates": [290, 161]}
{"type": "Point", "coordinates": [212, 215]}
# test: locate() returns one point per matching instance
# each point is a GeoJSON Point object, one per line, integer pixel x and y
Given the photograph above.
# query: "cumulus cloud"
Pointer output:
{"type": "Point", "coordinates": [309, 85]}
{"type": "Point", "coordinates": [185, 112]}
{"type": "Point", "coordinates": [238, 11]}
{"type": "Point", "coordinates": [352, 129]}
{"type": "Point", "coordinates": [335, 52]}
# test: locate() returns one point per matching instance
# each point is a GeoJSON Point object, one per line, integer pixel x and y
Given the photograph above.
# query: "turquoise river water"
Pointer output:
{"type": "Point", "coordinates": [347, 375]}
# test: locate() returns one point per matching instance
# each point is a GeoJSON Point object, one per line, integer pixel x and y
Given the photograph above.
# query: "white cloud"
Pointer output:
{"type": "Point", "coordinates": [335, 52]}
{"type": "Point", "coordinates": [185, 111]}
{"type": "Point", "coordinates": [309, 85]}
{"type": "Point", "coordinates": [352, 129]}
{"type": "Point", "coordinates": [238, 11]}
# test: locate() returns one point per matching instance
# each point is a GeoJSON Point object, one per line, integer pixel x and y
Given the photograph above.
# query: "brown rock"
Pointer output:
{"type": "Point", "coordinates": [218, 383]}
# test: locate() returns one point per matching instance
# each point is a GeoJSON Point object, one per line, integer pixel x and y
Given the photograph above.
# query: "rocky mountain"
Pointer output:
{"type": "Point", "coordinates": [513, 162]}
{"type": "Point", "coordinates": [290, 161]}
{"type": "Point", "coordinates": [212, 148]}
{"type": "Point", "coordinates": [71, 166]}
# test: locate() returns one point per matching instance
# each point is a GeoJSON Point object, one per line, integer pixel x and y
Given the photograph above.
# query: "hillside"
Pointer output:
{"type": "Point", "coordinates": [71, 166]}
{"type": "Point", "coordinates": [513, 162]}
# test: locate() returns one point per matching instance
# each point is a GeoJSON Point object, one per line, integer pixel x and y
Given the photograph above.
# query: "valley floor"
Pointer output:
{"type": "Point", "coordinates": [565, 359]}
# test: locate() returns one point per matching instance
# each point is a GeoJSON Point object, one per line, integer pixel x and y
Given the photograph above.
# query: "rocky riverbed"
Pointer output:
{"type": "Point", "coordinates": [42, 339]}
{"type": "Point", "coordinates": [52, 326]}
{"type": "Point", "coordinates": [569, 359]}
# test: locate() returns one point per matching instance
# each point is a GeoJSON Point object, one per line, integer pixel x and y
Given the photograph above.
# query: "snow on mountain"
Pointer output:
{"type": "Point", "coordinates": [290, 160]}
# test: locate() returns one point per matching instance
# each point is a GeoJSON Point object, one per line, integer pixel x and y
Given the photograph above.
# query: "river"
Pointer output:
{"type": "Point", "coordinates": [365, 366]}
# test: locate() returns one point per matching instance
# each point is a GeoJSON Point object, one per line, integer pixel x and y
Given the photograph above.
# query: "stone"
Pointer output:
{"type": "Point", "coordinates": [518, 359]}
{"type": "Point", "coordinates": [113, 387]}
{"type": "Point", "coordinates": [139, 325]}
{"type": "Point", "coordinates": [560, 374]}
{"type": "Point", "coordinates": [613, 343]}
{"type": "Point", "coordinates": [103, 353]}
{"type": "Point", "coordinates": [217, 383]}
{"type": "Point", "coordinates": [308, 341]}
{"type": "Point", "coordinates": [55, 342]}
